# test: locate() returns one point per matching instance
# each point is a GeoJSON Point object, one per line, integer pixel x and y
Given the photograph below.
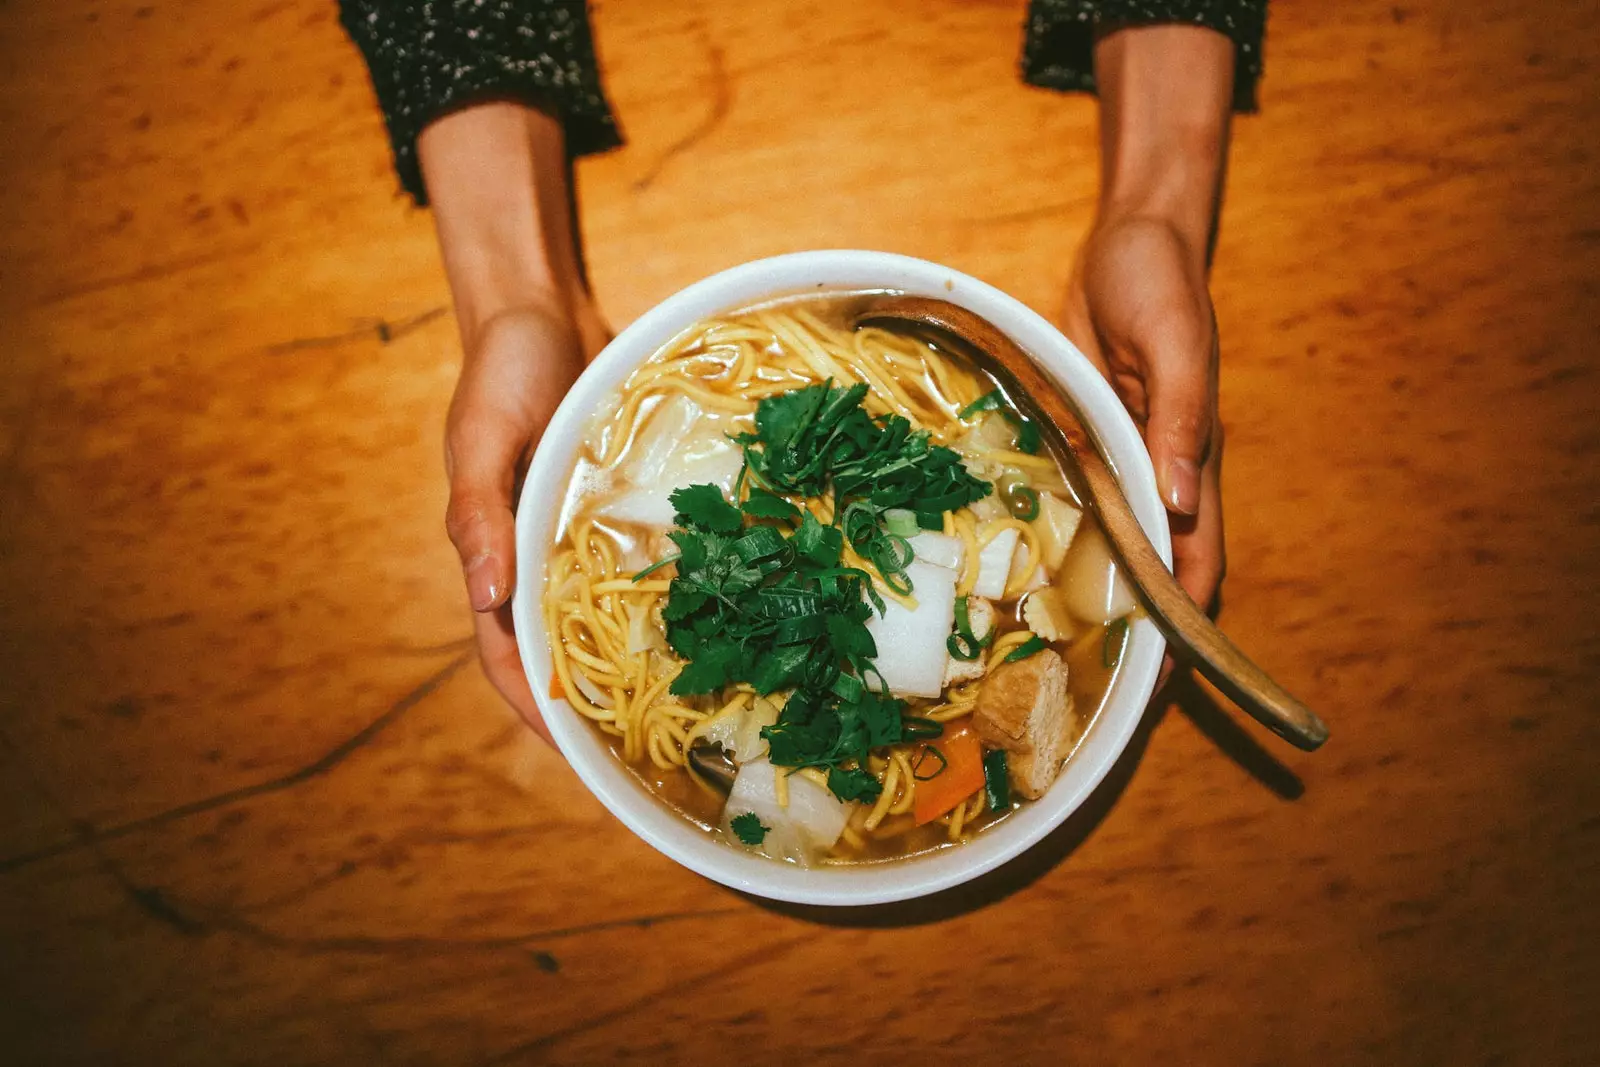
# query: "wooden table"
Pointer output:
{"type": "Point", "coordinates": [261, 807]}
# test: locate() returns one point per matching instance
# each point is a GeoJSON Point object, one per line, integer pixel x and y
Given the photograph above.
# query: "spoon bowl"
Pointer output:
{"type": "Point", "coordinates": [1181, 621]}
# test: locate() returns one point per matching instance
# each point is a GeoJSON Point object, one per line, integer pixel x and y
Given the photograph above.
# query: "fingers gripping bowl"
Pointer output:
{"type": "Point", "coordinates": [878, 598]}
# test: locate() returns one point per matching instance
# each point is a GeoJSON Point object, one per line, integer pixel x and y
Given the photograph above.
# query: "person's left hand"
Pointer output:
{"type": "Point", "coordinates": [1138, 306]}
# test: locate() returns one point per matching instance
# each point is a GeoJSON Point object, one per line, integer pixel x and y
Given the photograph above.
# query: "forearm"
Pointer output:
{"type": "Point", "coordinates": [1165, 97]}
{"type": "Point", "coordinates": [496, 174]}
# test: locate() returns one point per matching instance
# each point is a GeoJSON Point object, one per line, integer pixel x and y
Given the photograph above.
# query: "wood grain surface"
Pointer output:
{"type": "Point", "coordinates": [258, 805]}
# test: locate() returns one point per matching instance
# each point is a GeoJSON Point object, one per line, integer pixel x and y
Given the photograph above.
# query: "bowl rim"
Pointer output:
{"type": "Point", "coordinates": [619, 789]}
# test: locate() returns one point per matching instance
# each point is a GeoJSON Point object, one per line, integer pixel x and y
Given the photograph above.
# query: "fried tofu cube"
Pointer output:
{"type": "Point", "coordinates": [1024, 708]}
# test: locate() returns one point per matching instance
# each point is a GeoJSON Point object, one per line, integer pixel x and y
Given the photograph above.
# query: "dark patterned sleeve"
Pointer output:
{"type": "Point", "coordinates": [428, 57]}
{"type": "Point", "coordinates": [1058, 52]}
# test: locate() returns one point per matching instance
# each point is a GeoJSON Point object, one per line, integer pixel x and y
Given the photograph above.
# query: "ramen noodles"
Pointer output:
{"type": "Point", "coordinates": [843, 565]}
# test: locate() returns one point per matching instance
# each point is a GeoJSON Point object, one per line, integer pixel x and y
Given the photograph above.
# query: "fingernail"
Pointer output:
{"type": "Point", "coordinates": [483, 582]}
{"type": "Point", "coordinates": [1183, 486]}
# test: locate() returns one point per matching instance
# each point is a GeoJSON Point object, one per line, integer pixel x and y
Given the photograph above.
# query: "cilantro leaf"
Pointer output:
{"type": "Point", "coordinates": [749, 828]}
{"type": "Point", "coordinates": [763, 504]}
{"type": "Point", "coordinates": [853, 784]}
{"type": "Point", "coordinates": [705, 507]}
{"type": "Point", "coordinates": [760, 596]}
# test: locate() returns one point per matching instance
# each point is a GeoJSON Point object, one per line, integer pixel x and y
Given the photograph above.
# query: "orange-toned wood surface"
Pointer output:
{"type": "Point", "coordinates": [257, 805]}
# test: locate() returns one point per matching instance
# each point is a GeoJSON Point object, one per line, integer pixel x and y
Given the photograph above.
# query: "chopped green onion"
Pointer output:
{"type": "Point", "coordinates": [898, 582]}
{"type": "Point", "coordinates": [1027, 648]}
{"type": "Point", "coordinates": [990, 401]}
{"type": "Point", "coordinates": [901, 522]}
{"type": "Point", "coordinates": [996, 782]}
{"type": "Point", "coordinates": [962, 647]}
{"type": "Point", "coordinates": [916, 728]}
{"type": "Point", "coordinates": [657, 565]}
{"type": "Point", "coordinates": [964, 644]}
{"type": "Point", "coordinates": [759, 542]}
{"type": "Point", "coordinates": [1116, 634]}
{"type": "Point", "coordinates": [1022, 502]}
{"type": "Point", "coordinates": [916, 768]}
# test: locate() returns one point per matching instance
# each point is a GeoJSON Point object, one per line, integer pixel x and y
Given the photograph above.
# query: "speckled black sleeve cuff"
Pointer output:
{"type": "Point", "coordinates": [430, 56]}
{"type": "Point", "coordinates": [1058, 52]}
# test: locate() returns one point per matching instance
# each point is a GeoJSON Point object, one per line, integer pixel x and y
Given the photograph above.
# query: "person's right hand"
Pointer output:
{"type": "Point", "coordinates": [518, 366]}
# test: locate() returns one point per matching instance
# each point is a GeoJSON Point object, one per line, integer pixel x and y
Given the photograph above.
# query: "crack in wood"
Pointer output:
{"type": "Point", "coordinates": [697, 982]}
{"type": "Point", "coordinates": [90, 835]}
{"type": "Point", "coordinates": [360, 944]}
{"type": "Point", "coordinates": [721, 104]}
{"type": "Point", "coordinates": [386, 332]}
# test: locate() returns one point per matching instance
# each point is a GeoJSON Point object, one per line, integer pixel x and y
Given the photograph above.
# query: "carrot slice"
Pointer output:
{"type": "Point", "coordinates": [556, 692]}
{"type": "Point", "coordinates": [961, 777]}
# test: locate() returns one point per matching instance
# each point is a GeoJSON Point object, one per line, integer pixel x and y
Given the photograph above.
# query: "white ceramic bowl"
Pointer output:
{"type": "Point", "coordinates": [606, 776]}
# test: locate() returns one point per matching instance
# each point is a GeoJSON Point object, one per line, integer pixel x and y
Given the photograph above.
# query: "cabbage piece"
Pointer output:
{"type": "Point", "coordinates": [989, 508]}
{"type": "Point", "coordinates": [911, 642]}
{"type": "Point", "coordinates": [644, 631]}
{"type": "Point", "coordinates": [659, 437]}
{"type": "Point", "coordinates": [695, 455]}
{"type": "Point", "coordinates": [738, 731]}
{"type": "Point", "coordinates": [994, 564]}
{"type": "Point", "coordinates": [723, 729]}
{"type": "Point", "coordinates": [810, 824]}
{"type": "Point", "coordinates": [597, 696]}
{"type": "Point", "coordinates": [748, 744]}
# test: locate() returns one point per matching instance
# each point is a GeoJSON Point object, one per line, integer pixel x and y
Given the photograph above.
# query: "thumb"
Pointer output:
{"type": "Point", "coordinates": [1182, 403]}
{"type": "Point", "coordinates": [482, 448]}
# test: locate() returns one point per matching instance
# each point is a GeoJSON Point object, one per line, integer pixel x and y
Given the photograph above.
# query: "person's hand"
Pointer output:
{"type": "Point", "coordinates": [1139, 307]}
{"type": "Point", "coordinates": [518, 366]}
{"type": "Point", "coordinates": [497, 176]}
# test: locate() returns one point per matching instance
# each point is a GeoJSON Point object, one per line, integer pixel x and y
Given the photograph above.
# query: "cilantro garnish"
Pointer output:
{"type": "Point", "coordinates": [810, 440]}
{"type": "Point", "coordinates": [750, 603]}
{"type": "Point", "coordinates": [761, 595]}
{"type": "Point", "coordinates": [749, 828]}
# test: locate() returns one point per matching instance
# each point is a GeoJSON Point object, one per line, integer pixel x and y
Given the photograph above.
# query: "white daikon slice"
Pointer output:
{"type": "Point", "coordinates": [1091, 588]}
{"type": "Point", "coordinates": [810, 824]}
{"type": "Point", "coordinates": [941, 550]}
{"type": "Point", "coordinates": [1058, 521]}
{"type": "Point", "coordinates": [911, 643]}
{"type": "Point", "coordinates": [994, 564]}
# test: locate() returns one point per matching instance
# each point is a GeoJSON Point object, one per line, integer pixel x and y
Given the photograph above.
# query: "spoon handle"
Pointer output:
{"type": "Point", "coordinates": [1182, 622]}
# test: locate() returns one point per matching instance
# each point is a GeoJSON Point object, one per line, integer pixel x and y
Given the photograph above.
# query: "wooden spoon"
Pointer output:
{"type": "Point", "coordinates": [1185, 625]}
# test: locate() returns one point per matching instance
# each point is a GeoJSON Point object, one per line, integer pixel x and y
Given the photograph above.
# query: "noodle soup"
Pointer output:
{"type": "Point", "coordinates": [845, 566]}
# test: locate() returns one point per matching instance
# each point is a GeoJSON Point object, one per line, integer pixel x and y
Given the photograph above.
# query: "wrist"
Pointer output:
{"type": "Point", "coordinates": [1166, 95]}
{"type": "Point", "coordinates": [496, 176]}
